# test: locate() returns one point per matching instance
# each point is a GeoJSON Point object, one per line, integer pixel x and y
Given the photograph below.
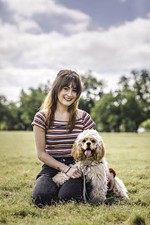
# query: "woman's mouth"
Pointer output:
{"type": "Point", "coordinates": [68, 99]}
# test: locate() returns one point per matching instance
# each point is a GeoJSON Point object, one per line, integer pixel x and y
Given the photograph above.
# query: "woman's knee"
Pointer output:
{"type": "Point", "coordinates": [71, 190]}
{"type": "Point", "coordinates": [45, 191]}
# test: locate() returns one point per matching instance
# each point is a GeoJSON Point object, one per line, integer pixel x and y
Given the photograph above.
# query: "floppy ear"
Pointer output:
{"type": "Point", "coordinates": [100, 151]}
{"type": "Point", "coordinates": [76, 151]}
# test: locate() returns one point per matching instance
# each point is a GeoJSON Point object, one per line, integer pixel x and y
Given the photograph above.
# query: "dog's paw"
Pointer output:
{"type": "Point", "coordinates": [98, 196]}
{"type": "Point", "coordinates": [60, 178]}
{"type": "Point", "coordinates": [99, 199]}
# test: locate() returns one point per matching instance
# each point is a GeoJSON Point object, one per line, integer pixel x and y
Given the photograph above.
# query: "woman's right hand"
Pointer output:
{"type": "Point", "coordinates": [74, 172]}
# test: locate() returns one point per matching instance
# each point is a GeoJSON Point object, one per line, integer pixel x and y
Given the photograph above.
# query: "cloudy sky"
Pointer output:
{"type": "Point", "coordinates": [40, 37]}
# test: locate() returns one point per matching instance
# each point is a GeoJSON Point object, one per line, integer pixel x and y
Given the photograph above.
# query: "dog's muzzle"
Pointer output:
{"type": "Point", "coordinates": [88, 152]}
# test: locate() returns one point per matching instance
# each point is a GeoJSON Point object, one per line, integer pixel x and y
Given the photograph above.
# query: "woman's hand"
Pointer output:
{"type": "Point", "coordinates": [74, 172]}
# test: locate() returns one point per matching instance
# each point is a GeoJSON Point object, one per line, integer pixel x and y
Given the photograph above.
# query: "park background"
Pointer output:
{"type": "Point", "coordinates": [107, 43]}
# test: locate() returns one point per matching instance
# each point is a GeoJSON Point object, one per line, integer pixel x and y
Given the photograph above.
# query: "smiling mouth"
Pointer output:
{"type": "Point", "coordinates": [68, 99]}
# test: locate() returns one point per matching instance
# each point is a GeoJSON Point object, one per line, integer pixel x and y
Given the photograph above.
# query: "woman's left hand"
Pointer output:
{"type": "Point", "coordinates": [74, 172]}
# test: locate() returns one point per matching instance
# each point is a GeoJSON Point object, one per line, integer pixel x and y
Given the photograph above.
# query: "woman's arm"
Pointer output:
{"type": "Point", "coordinates": [39, 135]}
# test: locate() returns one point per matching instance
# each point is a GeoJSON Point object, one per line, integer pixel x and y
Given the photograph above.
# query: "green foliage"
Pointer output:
{"type": "Point", "coordinates": [30, 104]}
{"type": "Point", "coordinates": [19, 116]}
{"type": "Point", "coordinates": [140, 83]}
{"type": "Point", "coordinates": [9, 115]}
{"type": "Point", "coordinates": [132, 112]}
{"type": "Point", "coordinates": [117, 112]}
{"type": "Point", "coordinates": [104, 113]}
{"type": "Point", "coordinates": [125, 108]}
{"type": "Point", "coordinates": [146, 125]}
{"type": "Point", "coordinates": [122, 110]}
{"type": "Point", "coordinates": [92, 91]}
{"type": "Point", "coordinates": [127, 153]}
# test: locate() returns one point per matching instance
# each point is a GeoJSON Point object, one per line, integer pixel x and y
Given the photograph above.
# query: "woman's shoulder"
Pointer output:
{"type": "Point", "coordinates": [87, 120]}
{"type": "Point", "coordinates": [81, 114]}
{"type": "Point", "coordinates": [42, 113]}
{"type": "Point", "coordinates": [40, 119]}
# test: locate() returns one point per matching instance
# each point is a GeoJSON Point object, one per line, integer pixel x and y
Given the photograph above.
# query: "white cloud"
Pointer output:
{"type": "Point", "coordinates": [117, 48]}
{"type": "Point", "coordinates": [76, 28]}
{"type": "Point", "coordinates": [45, 7]}
{"type": "Point", "coordinates": [27, 25]}
{"type": "Point", "coordinates": [28, 8]}
{"type": "Point", "coordinates": [27, 53]}
{"type": "Point", "coordinates": [12, 80]}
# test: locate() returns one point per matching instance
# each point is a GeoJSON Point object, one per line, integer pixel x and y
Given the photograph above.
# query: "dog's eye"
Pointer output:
{"type": "Point", "coordinates": [93, 141]}
{"type": "Point", "coordinates": [84, 141]}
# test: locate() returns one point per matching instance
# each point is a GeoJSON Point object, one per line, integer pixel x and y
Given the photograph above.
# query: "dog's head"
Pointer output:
{"type": "Point", "coordinates": [88, 145]}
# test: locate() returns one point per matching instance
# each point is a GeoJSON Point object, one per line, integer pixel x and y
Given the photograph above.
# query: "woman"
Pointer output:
{"type": "Point", "coordinates": [56, 127]}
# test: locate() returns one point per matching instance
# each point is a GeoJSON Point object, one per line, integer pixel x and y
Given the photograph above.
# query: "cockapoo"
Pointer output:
{"type": "Point", "coordinates": [88, 151]}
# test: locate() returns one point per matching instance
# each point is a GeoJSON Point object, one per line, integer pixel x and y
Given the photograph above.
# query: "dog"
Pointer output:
{"type": "Point", "coordinates": [88, 151]}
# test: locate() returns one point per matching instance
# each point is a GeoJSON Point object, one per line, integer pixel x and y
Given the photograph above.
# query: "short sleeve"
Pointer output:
{"type": "Point", "coordinates": [88, 123]}
{"type": "Point", "coordinates": [39, 120]}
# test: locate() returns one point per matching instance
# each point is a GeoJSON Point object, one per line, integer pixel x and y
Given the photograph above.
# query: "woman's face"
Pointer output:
{"type": "Point", "coordinates": [67, 95]}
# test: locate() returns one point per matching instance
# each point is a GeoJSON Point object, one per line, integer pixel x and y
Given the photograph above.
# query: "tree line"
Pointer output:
{"type": "Point", "coordinates": [121, 110]}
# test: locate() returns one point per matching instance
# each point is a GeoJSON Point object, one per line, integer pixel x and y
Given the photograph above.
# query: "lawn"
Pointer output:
{"type": "Point", "coordinates": [127, 153]}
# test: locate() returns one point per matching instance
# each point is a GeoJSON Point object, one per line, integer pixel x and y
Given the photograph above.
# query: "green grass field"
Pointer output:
{"type": "Point", "coordinates": [128, 154]}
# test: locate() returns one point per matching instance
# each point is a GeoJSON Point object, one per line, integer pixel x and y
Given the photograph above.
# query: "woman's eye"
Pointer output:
{"type": "Point", "coordinates": [65, 88]}
{"type": "Point", "coordinates": [75, 90]}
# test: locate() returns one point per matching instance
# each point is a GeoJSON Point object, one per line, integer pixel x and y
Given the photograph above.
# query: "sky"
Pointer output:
{"type": "Point", "coordinates": [38, 38]}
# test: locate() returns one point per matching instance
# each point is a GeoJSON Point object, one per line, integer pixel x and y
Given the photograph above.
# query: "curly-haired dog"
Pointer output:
{"type": "Point", "coordinates": [88, 150]}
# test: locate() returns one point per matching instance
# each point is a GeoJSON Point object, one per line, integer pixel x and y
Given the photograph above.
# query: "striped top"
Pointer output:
{"type": "Point", "coordinates": [58, 141]}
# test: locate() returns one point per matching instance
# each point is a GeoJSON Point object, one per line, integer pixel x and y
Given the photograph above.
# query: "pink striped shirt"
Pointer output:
{"type": "Point", "coordinates": [58, 141]}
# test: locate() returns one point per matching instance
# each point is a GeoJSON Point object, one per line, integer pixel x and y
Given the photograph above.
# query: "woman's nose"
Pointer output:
{"type": "Point", "coordinates": [69, 93]}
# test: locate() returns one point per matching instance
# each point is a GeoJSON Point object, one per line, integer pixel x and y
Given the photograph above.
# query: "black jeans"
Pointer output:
{"type": "Point", "coordinates": [46, 192]}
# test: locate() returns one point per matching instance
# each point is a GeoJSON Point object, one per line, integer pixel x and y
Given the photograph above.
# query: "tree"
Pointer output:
{"type": "Point", "coordinates": [9, 115]}
{"type": "Point", "coordinates": [141, 86]}
{"type": "Point", "coordinates": [13, 115]}
{"type": "Point", "coordinates": [146, 125]}
{"type": "Point", "coordinates": [135, 89]}
{"type": "Point", "coordinates": [118, 111]}
{"type": "Point", "coordinates": [131, 111]}
{"type": "Point", "coordinates": [3, 112]}
{"type": "Point", "coordinates": [30, 104]}
{"type": "Point", "coordinates": [92, 91]}
{"type": "Point", "coordinates": [106, 113]}
{"type": "Point", "coordinates": [121, 110]}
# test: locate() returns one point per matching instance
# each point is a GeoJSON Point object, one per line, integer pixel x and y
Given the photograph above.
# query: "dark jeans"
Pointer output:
{"type": "Point", "coordinates": [46, 192]}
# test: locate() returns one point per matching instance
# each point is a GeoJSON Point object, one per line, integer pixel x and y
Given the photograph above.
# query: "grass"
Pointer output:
{"type": "Point", "coordinates": [127, 153]}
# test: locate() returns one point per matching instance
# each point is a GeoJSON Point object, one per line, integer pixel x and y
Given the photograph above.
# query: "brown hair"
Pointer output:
{"type": "Point", "coordinates": [63, 78]}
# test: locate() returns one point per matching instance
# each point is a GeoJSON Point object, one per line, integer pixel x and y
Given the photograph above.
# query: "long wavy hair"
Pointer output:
{"type": "Point", "coordinates": [64, 78]}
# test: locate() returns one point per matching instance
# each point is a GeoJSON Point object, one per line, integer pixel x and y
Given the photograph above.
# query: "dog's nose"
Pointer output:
{"type": "Point", "coordinates": [88, 143]}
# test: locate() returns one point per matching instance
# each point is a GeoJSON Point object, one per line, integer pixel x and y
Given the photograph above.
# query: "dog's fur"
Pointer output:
{"type": "Point", "coordinates": [88, 150]}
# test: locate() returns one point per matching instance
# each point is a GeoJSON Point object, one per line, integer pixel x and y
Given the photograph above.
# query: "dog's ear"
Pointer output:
{"type": "Point", "coordinates": [100, 151]}
{"type": "Point", "coordinates": [75, 152]}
